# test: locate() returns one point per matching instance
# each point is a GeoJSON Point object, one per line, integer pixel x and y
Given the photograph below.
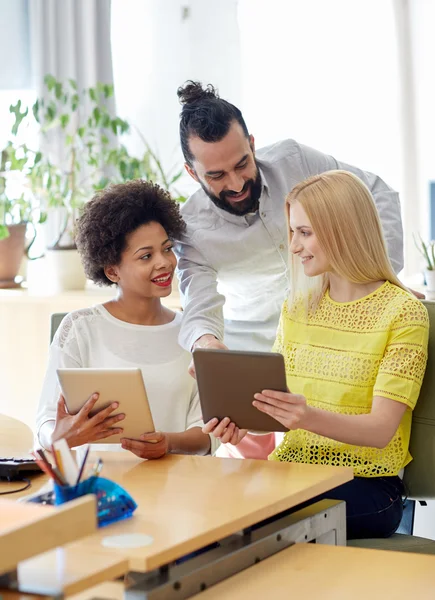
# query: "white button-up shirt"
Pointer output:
{"type": "Point", "coordinates": [233, 269]}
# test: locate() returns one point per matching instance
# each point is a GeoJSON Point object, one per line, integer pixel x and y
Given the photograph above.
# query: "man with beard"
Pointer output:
{"type": "Point", "coordinates": [232, 260]}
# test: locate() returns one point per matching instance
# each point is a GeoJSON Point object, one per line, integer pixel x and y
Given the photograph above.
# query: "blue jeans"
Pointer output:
{"type": "Point", "coordinates": [374, 505]}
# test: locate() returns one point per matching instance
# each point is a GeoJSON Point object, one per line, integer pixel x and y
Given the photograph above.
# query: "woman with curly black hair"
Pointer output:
{"type": "Point", "coordinates": [125, 238]}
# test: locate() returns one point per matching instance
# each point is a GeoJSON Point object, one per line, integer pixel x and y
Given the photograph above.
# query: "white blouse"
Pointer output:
{"type": "Point", "coordinates": [93, 338]}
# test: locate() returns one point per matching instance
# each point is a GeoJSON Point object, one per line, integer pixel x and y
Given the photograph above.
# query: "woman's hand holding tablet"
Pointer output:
{"type": "Point", "coordinates": [149, 445]}
{"type": "Point", "coordinates": [81, 428]}
{"type": "Point", "coordinates": [226, 431]}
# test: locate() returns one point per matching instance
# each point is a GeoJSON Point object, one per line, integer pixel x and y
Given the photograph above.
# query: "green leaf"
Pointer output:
{"type": "Point", "coordinates": [19, 116]}
{"type": "Point", "coordinates": [43, 217]}
{"type": "Point", "coordinates": [93, 94]}
{"type": "Point", "coordinates": [97, 114]}
{"type": "Point", "coordinates": [58, 90]}
{"type": "Point", "coordinates": [4, 232]}
{"type": "Point", "coordinates": [108, 90]}
{"type": "Point", "coordinates": [35, 110]}
{"type": "Point", "coordinates": [75, 100]}
{"type": "Point", "coordinates": [106, 120]}
{"type": "Point", "coordinates": [176, 177]}
{"type": "Point", "coordinates": [50, 82]}
{"type": "Point", "coordinates": [81, 132]}
{"type": "Point", "coordinates": [50, 113]}
{"type": "Point", "coordinates": [73, 84]}
{"type": "Point", "coordinates": [123, 169]}
{"type": "Point", "coordinates": [64, 120]}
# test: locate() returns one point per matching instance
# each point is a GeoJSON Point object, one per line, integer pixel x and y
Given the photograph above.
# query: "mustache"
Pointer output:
{"type": "Point", "coordinates": [231, 193]}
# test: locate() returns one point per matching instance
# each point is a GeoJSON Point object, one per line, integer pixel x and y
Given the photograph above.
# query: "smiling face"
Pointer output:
{"type": "Point", "coordinates": [227, 171]}
{"type": "Point", "coordinates": [304, 243]}
{"type": "Point", "coordinates": [147, 263]}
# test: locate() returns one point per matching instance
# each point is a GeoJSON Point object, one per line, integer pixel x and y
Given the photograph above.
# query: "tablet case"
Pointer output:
{"type": "Point", "coordinates": [228, 379]}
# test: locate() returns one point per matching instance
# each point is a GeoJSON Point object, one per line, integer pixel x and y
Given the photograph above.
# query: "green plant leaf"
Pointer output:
{"type": "Point", "coordinates": [50, 113]}
{"type": "Point", "coordinates": [64, 120]}
{"type": "Point", "coordinates": [50, 82]}
{"type": "Point", "coordinates": [58, 91]}
{"type": "Point", "coordinates": [73, 84]}
{"type": "Point", "coordinates": [35, 110]}
{"type": "Point", "coordinates": [93, 94]}
{"type": "Point", "coordinates": [108, 90]}
{"type": "Point", "coordinates": [97, 114]}
{"type": "Point", "coordinates": [75, 100]}
{"type": "Point", "coordinates": [4, 232]}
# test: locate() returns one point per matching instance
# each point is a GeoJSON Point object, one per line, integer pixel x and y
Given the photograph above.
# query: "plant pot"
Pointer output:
{"type": "Point", "coordinates": [11, 254]}
{"type": "Point", "coordinates": [64, 270]}
{"type": "Point", "coordinates": [430, 280]}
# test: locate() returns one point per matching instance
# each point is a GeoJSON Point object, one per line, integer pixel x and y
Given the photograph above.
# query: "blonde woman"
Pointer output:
{"type": "Point", "coordinates": [355, 347]}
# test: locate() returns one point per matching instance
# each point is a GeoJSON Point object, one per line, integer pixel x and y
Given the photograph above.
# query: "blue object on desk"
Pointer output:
{"type": "Point", "coordinates": [113, 502]}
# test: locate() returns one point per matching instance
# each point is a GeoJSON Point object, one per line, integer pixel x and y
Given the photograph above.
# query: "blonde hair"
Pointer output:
{"type": "Point", "coordinates": [346, 223]}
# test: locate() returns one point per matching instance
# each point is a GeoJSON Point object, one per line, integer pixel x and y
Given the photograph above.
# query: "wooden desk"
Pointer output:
{"type": "Point", "coordinates": [68, 570]}
{"type": "Point", "coordinates": [187, 502]}
{"type": "Point", "coordinates": [332, 573]}
{"type": "Point", "coordinates": [25, 339]}
{"type": "Point", "coordinates": [29, 529]}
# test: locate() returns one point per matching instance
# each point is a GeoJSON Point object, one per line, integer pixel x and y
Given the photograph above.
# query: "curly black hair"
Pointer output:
{"type": "Point", "coordinates": [206, 115]}
{"type": "Point", "coordinates": [115, 212]}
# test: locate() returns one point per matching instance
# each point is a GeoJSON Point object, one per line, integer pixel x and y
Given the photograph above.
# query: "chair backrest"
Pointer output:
{"type": "Point", "coordinates": [16, 438]}
{"type": "Point", "coordinates": [420, 473]}
{"type": "Point", "coordinates": [55, 321]}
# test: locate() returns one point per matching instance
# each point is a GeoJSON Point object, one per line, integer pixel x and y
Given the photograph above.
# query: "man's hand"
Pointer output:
{"type": "Point", "coordinates": [205, 341]}
{"type": "Point", "coordinates": [81, 428]}
{"type": "Point", "coordinates": [150, 445]}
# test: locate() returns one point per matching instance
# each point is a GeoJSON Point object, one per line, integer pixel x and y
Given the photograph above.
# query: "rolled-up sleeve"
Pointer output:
{"type": "Point", "coordinates": [201, 301]}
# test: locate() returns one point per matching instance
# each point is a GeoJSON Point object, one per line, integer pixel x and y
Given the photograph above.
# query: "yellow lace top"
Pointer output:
{"type": "Point", "coordinates": [341, 356]}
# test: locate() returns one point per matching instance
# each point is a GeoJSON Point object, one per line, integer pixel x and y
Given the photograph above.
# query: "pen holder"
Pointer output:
{"type": "Point", "coordinates": [113, 502]}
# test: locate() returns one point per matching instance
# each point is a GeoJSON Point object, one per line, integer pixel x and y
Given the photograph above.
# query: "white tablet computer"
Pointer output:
{"type": "Point", "coordinates": [125, 386]}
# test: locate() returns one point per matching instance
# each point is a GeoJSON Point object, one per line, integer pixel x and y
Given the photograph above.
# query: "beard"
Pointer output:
{"type": "Point", "coordinates": [249, 205]}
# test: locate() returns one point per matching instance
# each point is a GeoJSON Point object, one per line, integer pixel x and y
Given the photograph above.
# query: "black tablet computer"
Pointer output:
{"type": "Point", "coordinates": [227, 381]}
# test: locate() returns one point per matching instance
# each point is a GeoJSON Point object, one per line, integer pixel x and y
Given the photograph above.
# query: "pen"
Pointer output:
{"type": "Point", "coordinates": [96, 469]}
{"type": "Point", "coordinates": [45, 466]}
{"type": "Point", "coordinates": [82, 466]}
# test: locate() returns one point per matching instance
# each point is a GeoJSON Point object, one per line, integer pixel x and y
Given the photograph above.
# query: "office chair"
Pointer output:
{"type": "Point", "coordinates": [55, 321]}
{"type": "Point", "coordinates": [419, 476]}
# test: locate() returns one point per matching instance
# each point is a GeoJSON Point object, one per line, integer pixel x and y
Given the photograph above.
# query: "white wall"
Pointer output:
{"type": "Point", "coordinates": [157, 45]}
{"type": "Point", "coordinates": [423, 23]}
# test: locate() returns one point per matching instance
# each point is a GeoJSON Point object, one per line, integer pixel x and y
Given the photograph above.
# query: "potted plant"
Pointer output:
{"type": "Point", "coordinates": [92, 155]}
{"type": "Point", "coordinates": [427, 250]}
{"type": "Point", "coordinates": [16, 214]}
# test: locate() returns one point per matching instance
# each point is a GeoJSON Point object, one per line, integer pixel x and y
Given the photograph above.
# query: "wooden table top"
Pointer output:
{"type": "Point", "coordinates": [66, 571]}
{"type": "Point", "coordinates": [331, 573]}
{"type": "Point", "coordinates": [187, 502]}
{"type": "Point", "coordinates": [29, 529]}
